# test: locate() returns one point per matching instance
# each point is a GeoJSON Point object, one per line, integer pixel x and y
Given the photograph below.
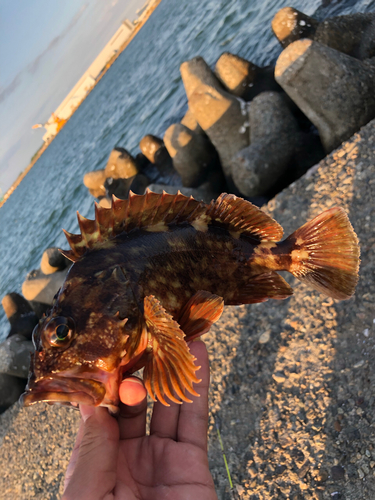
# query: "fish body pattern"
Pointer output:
{"type": "Point", "coordinates": [154, 272]}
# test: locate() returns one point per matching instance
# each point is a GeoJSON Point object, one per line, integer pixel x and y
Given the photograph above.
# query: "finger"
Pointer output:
{"type": "Point", "coordinates": [74, 457]}
{"type": "Point", "coordinates": [132, 391]}
{"type": "Point", "coordinates": [94, 475]}
{"type": "Point", "coordinates": [164, 420]}
{"type": "Point", "coordinates": [132, 417]}
{"type": "Point", "coordinates": [193, 421]}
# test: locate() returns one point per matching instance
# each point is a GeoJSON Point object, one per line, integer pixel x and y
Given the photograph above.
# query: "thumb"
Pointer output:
{"type": "Point", "coordinates": [94, 474]}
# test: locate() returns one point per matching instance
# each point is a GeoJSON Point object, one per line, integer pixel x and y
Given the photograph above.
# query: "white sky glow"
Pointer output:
{"type": "Point", "coordinates": [45, 46]}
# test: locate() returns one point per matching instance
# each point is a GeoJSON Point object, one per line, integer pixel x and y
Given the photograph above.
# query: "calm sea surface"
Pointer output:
{"type": "Point", "coordinates": [141, 93]}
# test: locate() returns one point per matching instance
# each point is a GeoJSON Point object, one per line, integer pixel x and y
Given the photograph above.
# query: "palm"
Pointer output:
{"type": "Point", "coordinates": [159, 468]}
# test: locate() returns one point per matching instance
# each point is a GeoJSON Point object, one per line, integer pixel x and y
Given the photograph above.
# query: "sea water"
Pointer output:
{"type": "Point", "coordinates": [142, 93]}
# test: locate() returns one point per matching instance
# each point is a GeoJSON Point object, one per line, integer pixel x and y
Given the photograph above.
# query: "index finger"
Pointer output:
{"type": "Point", "coordinates": [94, 474]}
{"type": "Point", "coordinates": [193, 421]}
{"type": "Point", "coordinates": [74, 456]}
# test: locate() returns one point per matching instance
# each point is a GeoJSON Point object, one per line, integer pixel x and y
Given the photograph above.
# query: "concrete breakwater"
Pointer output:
{"type": "Point", "coordinates": [253, 130]}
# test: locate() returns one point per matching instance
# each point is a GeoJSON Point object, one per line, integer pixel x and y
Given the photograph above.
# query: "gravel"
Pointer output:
{"type": "Point", "coordinates": [293, 382]}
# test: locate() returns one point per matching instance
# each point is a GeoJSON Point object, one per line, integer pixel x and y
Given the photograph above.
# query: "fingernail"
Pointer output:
{"type": "Point", "coordinates": [134, 380]}
{"type": "Point", "coordinates": [132, 391]}
{"type": "Point", "coordinates": [198, 339]}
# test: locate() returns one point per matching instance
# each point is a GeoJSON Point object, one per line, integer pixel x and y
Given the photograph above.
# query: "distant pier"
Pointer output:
{"type": "Point", "coordinates": [86, 83]}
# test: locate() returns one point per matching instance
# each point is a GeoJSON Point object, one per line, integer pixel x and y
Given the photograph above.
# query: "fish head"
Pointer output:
{"type": "Point", "coordinates": [81, 345]}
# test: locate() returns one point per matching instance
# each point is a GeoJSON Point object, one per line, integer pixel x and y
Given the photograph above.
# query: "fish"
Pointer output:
{"type": "Point", "coordinates": [153, 272]}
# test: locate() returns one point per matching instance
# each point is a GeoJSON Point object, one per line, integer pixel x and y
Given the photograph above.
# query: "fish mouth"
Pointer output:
{"type": "Point", "coordinates": [66, 391]}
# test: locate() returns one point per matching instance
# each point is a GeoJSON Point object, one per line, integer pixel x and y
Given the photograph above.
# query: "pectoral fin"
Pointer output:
{"type": "Point", "coordinates": [170, 366]}
{"type": "Point", "coordinates": [199, 314]}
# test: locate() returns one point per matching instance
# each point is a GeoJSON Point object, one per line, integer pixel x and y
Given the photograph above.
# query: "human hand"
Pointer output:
{"type": "Point", "coordinates": [115, 460]}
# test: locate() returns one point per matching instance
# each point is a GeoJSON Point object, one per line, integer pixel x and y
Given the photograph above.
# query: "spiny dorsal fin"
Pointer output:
{"type": "Point", "coordinates": [77, 245]}
{"type": "Point", "coordinates": [242, 217]}
{"type": "Point", "coordinates": [151, 211]}
{"type": "Point", "coordinates": [154, 212]}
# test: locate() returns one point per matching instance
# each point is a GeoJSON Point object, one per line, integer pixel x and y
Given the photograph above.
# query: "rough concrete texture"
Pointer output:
{"type": "Point", "coordinates": [192, 154]}
{"type": "Point", "coordinates": [105, 203]}
{"type": "Point", "coordinates": [15, 356]}
{"type": "Point", "coordinates": [351, 34]}
{"type": "Point", "coordinates": [190, 122]}
{"type": "Point", "coordinates": [94, 179]}
{"type": "Point", "coordinates": [120, 165]}
{"type": "Point", "coordinates": [293, 382]}
{"type": "Point", "coordinates": [196, 72]}
{"type": "Point", "coordinates": [242, 78]}
{"type": "Point", "coordinates": [335, 91]}
{"type": "Point", "coordinates": [52, 261]}
{"type": "Point", "coordinates": [348, 34]}
{"type": "Point", "coordinates": [121, 187]}
{"type": "Point", "coordinates": [235, 73]}
{"type": "Point", "coordinates": [290, 24]}
{"type": "Point", "coordinates": [42, 287]}
{"type": "Point", "coordinates": [163, 162]}
{"type": "Point", "coordinates": [11, 388]}
{"type": "Point", "coordinates": [273, 138]}
{"type": "Point", "coordinates": [224, 118]}
{"type": "Point", "coordinates": [270, 117]}
{"type": "Point", "coordinates": [149, 146]}
{"type": "Point", "coordinates": [15, 305]}
{"type": "Point", "coordinates": [97, 193]}
{"type": "Point", "coordinates": [22, 319]}
{"type": "Point", "coordinates": [366, 48]}
{"type": "Point", "coordinates": [220, 114]}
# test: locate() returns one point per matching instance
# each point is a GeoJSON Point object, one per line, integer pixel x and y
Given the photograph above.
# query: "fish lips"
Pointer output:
{"type": "Point", "coordinates": [66, 391]}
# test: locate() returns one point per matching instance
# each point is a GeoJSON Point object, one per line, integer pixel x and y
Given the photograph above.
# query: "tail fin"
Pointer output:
{"type": "Point", "coordinates": [325, 254]}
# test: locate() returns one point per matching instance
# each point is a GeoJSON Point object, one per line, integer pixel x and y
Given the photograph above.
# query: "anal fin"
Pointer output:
{"type": "Point", "coordinates": [259, 289]}
{"type": "Point", "coordinates": [170, 366]}
{"type": "Point", "coordinates": [199, 314]}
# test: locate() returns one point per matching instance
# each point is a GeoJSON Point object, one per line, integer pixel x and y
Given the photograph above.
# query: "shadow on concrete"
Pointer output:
{"type": "Point", "coordinates": [296, 413]}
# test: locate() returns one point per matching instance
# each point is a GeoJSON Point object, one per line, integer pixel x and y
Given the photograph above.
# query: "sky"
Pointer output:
{"type": "Point", "coordinates": [45, 47]}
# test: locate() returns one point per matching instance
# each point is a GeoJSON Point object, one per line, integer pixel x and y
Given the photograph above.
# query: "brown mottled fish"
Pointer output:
{"type": "Point", "coordinates": [154, 272]}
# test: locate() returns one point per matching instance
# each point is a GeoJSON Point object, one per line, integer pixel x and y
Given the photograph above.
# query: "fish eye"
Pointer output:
{"type": "Point", "coordinates": [59, 331]}
{"type": "Point", "coordinates": [62, 331]}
